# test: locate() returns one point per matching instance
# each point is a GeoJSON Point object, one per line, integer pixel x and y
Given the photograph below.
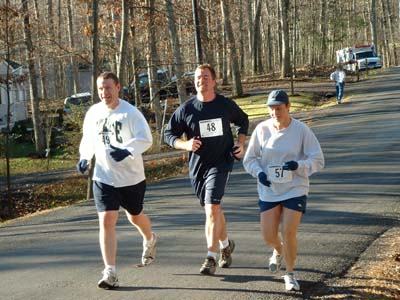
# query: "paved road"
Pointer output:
{"type": "Point", "coordinates": [355, 199]}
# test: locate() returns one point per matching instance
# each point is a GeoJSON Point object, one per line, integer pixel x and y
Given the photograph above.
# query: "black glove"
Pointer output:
{"type": "Point", "coordinates": [82, 166]}
{"type": "Point", "coordinates": [290, 165]}
{"type": "Point", "coordinates": [262, 177]}
{"type": "Point", "coordinates": [119, 154]}
{"type": "Point", "coordinates": [232, 152]}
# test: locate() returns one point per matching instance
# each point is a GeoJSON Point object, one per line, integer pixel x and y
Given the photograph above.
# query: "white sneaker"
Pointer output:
{"type": "Point", "coordinates": [275, 262]}
{"type": "Point", "coordinates": [149, 251]}
{"type": "Point", "coordinates": [109, 280]}
{"type": "Point", "coordinates": [291, 282]}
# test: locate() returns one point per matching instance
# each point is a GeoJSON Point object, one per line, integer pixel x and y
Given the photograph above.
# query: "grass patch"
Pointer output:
{"type": "Point", "coordinates": [254, 106]}
{"type": "Point", "coordinates": [36, 198]}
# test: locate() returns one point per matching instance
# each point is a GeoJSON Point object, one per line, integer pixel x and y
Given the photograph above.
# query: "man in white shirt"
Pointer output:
{"type": "Point", "coordinates": [117, 134]}
{"type": "Point", "coordinates": [339, 76]}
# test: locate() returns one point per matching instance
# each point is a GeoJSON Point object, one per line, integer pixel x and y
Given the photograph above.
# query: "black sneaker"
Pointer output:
{"type": "Point", "coordinates": [225, 258]}
{"type": "Point", "coordinates": [209, 266]}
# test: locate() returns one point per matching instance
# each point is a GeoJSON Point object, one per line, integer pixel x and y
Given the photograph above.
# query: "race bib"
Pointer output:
{"type": "Point", "coordinates": [211, 128]}
{"type": "Point", "coordinates": [278, 175]}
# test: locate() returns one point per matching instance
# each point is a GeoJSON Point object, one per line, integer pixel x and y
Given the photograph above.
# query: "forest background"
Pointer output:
{"type": "Point", "coordinates": [57, 40]}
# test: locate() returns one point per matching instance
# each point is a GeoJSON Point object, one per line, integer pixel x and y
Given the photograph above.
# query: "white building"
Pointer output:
{"type": "Point", "coordinates": [18, 91]}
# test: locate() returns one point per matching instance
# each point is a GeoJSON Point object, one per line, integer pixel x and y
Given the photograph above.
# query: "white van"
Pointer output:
{"type": "Point", "coordinates": [359, 57]}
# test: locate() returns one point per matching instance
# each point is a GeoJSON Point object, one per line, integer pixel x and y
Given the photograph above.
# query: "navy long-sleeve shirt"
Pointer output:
{"type": "Point", "coordinates": [211, 122]}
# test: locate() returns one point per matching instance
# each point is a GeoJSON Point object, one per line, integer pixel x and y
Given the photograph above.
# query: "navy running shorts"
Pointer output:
{"type": "Point", "coordinates": [296, 203]}
{"type": "Point", "coordinates": [107, 197]}
{"type": "Point", "coordinates": [211, 187]}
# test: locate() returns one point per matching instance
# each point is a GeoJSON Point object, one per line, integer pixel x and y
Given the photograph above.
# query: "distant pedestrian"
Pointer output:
{"type": "Point", "coordinates": [339, 76]}
{"type": "Point", "coordinates": [282, 153]}
{"type": "Point", "coordinates": [117, 134]}
{"type": "Point", "coordinates": [205, 120]}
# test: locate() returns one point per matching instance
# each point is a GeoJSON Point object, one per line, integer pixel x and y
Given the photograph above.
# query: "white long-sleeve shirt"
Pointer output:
{"type": "Point", "coordinates": [269, 147]}
{"type": "Point", "coordinates": [124, 127]}
{"type": "Point", "coordinates": [338, 76]}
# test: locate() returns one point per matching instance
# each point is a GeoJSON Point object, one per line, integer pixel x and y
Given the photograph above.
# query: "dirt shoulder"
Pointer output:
{"type": "Point", "coordinates": [375, 275]}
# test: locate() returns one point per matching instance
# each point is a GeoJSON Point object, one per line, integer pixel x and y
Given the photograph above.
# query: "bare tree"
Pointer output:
{"type": "Point", "coordinates": [237, 89]}
{"type": "Point", "coordinates": [199, 50]}
{"type": "Point", "coordinates": [40, 62]}
{"type": "Point", "coordinates": [284, 19]}
{"type": "Point", "coordinates": [95, 49]}
{"type": "Point", "coordinates": [256, 39]}
{"type": "Point", "coordinates": [152, 59]}
{"type": "Point", "coordinates": [176, 50]}
{"type": "Point", "coordinates": [71, 32]}
{"type": "Point", "coordinates": [121, 67]}
{"type": "Point", "coordinates": [40, 143]}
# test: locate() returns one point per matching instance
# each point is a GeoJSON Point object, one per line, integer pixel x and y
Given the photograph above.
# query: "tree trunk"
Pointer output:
{"type": "Point", "coordinates": [121, 67]}
{"type": "Point", "coordinates": [197, 35]}
{"type": "Point", "coordinates": [95, 49]}
{"type": "Point", "coordinates": [152, 59]}
{"type": "Point", "coordinates": [322, 56]}
{"type": "Point", "coordinates": [135, 68]}
{"type": "Point", "coordinates": [40, 143]}
{"type": "Point", "coordinates": [374, 23]}
{"type": "Point", "coordinates": [180, 84]}
{"type": "Point", "coordinates": [237, 90]}
{"type": "Point", "coordinates": [74, 67]}
{"type": "Point", "coordinates": [42, 71]}
{"type": "Point", "coordinates": [285, 71]}
{"type": "Point", "coordinates": [390, 20]}
{"type": "Point", "coordinates": [256, 38]}
{"type": "Point", "coordinates": [207, 54]}
{"type": "Point", "coordinates": [6, 204]}
{"type": "Point", "coordinates": [241, 40]}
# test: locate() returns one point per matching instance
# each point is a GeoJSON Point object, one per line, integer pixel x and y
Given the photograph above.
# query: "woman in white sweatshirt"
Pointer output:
{"type": "Point", "coordinates": [282, 153]}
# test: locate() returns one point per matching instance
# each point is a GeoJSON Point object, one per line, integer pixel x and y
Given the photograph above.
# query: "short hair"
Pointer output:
{"type": "Point", "coordinates": [210, 68]}
{"type": "Point", "coordinates": [109, 75]}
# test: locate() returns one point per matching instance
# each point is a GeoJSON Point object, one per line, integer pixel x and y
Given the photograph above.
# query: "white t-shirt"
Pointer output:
{"type": "Point", "coordinates": [124, 127]}
{"type": "Point", "coordinates": [270, 148]}
{"type": "Point", "coordinates": [338, 76]}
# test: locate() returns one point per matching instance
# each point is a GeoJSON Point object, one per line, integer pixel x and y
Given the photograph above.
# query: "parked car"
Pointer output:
{"type": "Point", "coordinates": [167, 85]}
{"type": "Point", "coordinates": [77, 100]}
{"type": "Point", "coordinates": [188, 79]}
{"type": "Point", "coordinates": [163, 80]}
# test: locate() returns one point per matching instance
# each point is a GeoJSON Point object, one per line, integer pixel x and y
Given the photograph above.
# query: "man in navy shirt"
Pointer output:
{"type": "Point", "coordinates": [205, 120]}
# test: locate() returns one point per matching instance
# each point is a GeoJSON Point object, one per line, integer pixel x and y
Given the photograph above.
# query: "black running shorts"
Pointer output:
{"type": "Point", "coordinates": [131, 197]}
{"type": "Point", "coordinates": [210, 188]}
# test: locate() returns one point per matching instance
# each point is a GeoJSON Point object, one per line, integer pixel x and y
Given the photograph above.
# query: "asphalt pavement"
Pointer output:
{"type": "Point", "coordinates": [55, 255]}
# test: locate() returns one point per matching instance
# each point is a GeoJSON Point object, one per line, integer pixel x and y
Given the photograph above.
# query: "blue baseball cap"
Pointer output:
{"type": "Point", "coordinates": [277, 97]}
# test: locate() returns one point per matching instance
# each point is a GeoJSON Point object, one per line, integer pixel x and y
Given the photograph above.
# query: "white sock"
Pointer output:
{"type": "Point", "coordinates": [223, 244]}
{"type": "Point", "coordinates": [149, 242]}
{"type": "Point", "coordinates": [111, 267]}
{"type": "Point", "coordinates": [212, 254]}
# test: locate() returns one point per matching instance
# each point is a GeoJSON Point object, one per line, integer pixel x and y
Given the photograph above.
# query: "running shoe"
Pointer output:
{"type": "Point", "coordinates": [291, 282]}
{"type": "Point", "coordinates": [109, 280]}
{"type": "Point", "coordinates": [149, 251]}
{"type": "Point", "coordinates": [209, 266]}
{"type": "Point", "coordinates": [225, 258]}
{"type": "Point", "coordinates": [275, 262]}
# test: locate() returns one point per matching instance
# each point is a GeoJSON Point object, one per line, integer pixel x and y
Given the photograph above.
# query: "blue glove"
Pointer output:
{"type": "Point", "coordinates": [119, 154]}
{"type": "Point", "coordinates": [82, 166]}
{"type": "Point", "coordinates": [262, 178]}
{"type": "Point", "coordinates": [290, 165]}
